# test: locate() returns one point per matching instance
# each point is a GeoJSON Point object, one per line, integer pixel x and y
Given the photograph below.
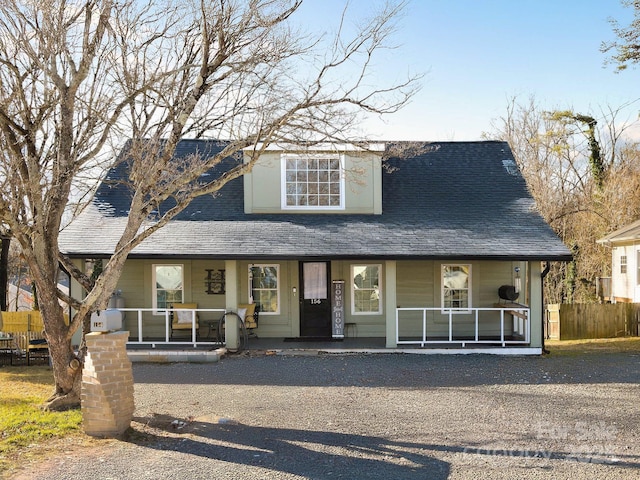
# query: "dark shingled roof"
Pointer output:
{"type": "Point", "coordinates": [465, 200]}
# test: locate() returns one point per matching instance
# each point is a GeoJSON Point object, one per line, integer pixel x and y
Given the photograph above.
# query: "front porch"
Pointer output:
{"type": "Point", "coordinates": [504, 330]}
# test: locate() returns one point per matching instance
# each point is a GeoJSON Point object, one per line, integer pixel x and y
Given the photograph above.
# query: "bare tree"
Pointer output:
{"type": "Point", "coordinates": [582, 174]}
{"type": "Point", "coordinates": [626, 49]}
{"type": "Point", "coordinates": [78, 77]}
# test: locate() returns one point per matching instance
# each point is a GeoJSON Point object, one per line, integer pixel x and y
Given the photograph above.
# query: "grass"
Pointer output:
{"type": "Point", "coordinates": [605, 345]}
{"type": "Point", "coordinates": [24, 426]}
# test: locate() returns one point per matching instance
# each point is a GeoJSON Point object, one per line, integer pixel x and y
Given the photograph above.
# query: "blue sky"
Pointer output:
{"type": "Point", "coordinates": [477, 54]}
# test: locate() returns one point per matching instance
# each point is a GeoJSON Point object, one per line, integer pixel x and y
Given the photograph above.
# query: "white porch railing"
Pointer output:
{"type": "Point", "coordinates": [517, 332]}
{"type": "Point", "coordinates": [148, 326]}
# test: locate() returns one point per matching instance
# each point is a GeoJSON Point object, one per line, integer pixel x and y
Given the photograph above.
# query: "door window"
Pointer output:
{"type": "Point", "coordinates": [315, 280]}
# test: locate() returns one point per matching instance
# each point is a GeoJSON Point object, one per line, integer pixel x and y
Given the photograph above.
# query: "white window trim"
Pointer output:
{"type": "Point", "coordinates": [469, 288]}
{"type": "Point", "coordinates": [250, 292]}
{"type": "Point", "coordinates": [283, 175]}
{"type": "Point", "coordinates": [380, 290]}
{"type": "Point", "coordinates": [624, 262]}
{"type": "Point", "coordinates": [154, 290]}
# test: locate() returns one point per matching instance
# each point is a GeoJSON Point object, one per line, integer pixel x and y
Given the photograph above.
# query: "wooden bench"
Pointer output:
{"type": "Point", "coordinates": [519, 318]}
{"type": "Point", "coordinates": [513, 306]}
{"type": "Point", "coordinates": [37, 349]}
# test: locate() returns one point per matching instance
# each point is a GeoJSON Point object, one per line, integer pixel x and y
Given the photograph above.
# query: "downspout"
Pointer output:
{"type": "Point", "coordinates": [544, 273]}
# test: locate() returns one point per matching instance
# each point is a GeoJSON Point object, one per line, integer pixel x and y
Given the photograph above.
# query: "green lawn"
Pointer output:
{"type": "Point", "coordinates": [24, 426]}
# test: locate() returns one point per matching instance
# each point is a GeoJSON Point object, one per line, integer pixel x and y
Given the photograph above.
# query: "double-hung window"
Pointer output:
{"type": "Point", "coordinates": [168, 286]}
{"type": "Point", "coordinates": [365, 289]}
{"type": "Point", "coordinates": [623, 264]}
{"type": "Point", "coordinates": [456, 286]}
{"type": "Point", "coordinates": [264, 281]}
{"type": "Point", "coordinates": [312, 182]}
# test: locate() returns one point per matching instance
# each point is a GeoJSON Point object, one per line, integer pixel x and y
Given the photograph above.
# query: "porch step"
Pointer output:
{"type": "Point", "coordinates": [175, 356]}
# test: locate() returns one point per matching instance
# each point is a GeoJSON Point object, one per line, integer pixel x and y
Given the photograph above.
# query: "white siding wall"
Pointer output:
{"type": "Point", "coordinates": [625, 285]}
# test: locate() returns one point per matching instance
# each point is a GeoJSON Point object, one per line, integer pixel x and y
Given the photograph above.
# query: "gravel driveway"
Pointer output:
{"type": "Point", "coordinates": [375, 417]}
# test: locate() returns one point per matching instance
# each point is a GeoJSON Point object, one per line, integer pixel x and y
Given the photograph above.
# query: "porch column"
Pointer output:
{"type": "Point", "coordinates": [391, 302]}
{"type": "Point", "coordinates": [232, 339]}
{"type": "Point", "coordinates": [77, 291]}
{"type": "Point", "coordinates": [537, 310]}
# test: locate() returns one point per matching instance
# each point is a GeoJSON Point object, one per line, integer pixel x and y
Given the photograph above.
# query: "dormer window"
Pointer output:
{"type": "Point", "coordinates": [312, 181]}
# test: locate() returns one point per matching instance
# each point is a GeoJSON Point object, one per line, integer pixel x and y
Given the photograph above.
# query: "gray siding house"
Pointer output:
{"type": "Point", "coordinates": [333, 241]}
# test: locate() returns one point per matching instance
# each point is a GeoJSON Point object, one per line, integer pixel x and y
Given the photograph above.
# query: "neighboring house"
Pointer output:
{"type": "Point", "coordinates": [19, 298]}
{"type": "Point", "coordinates": [423, 245]}
{"type": "Point", "coordinates": [625, 263]}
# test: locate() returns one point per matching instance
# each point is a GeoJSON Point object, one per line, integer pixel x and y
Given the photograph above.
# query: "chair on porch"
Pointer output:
{"type": "Point", "coordinates": [31, 347]}
{"type": "Point", "coordinates": [183, 320]}
{"type": "Point", "coordinates": [248, 312]}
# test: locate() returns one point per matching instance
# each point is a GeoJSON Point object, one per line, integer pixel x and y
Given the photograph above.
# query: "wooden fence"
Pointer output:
{"type": "Point", "coordinates": [584, 321]}
{"type": "Point", "coordinates": [24, 326]}
{"type": "Point", "coordinates": [23, 321]}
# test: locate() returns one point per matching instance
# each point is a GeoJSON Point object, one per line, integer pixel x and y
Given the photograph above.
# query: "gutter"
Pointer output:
{"type": "Point", "coordinates": [544, 273]}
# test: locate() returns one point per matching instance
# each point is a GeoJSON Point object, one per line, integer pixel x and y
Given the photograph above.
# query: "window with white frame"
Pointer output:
{"type": "Point", "coordinates": [623, 264]}
{"type": "Point", "coordinates": [366, 289]}
{"type": "Point", "coordinates": [456, 286]}
{"type": "Point", "coordinates": [168, 285]}
{"type": "Point", "coordinates": [264, 282]}
{"type": "Point", "coordinates": [312, 181]}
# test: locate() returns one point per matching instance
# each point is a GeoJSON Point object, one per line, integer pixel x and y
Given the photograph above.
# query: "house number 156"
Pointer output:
{"type": "Point", "coordinates": [316, 301]}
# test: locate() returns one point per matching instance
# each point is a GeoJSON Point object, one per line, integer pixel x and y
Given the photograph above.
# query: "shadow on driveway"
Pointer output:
{"type": "Point", "coordinates": [309, 454]}
{"type": "Point", "coordinates": [321, 454]}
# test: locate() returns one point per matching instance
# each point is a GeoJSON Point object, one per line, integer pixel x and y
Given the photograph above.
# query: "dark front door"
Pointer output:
{"type": "Point", "coordinates": [315, 303]}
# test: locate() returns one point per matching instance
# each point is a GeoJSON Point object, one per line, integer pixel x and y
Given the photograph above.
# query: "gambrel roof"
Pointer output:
{"type": "Point", "coordinates": [462, 200]}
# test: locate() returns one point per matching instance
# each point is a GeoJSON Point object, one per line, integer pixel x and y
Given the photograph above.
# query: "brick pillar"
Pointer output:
{"type": "Point", "coordinates": [107, 385]}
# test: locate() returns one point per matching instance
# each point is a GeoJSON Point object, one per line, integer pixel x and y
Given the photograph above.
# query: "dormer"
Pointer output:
{"type": "Point", "coordinates": [337, 179]}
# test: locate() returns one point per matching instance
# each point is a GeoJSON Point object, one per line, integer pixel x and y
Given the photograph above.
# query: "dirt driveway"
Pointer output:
{"type": "Point", "coordinates": [574, 415]}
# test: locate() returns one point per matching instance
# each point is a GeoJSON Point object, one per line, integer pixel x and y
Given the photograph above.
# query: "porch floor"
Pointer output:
{"type": "Point", "coordinates": [280, 343]}
{"type": "Point", "coordinates": [278, 346]}
{"type": "Point", "coordinates": [350, 343]}
{"type": "Point", "coordinates": [364, 345]}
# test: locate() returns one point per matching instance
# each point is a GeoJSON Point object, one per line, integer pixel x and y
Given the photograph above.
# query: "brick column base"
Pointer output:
{"type": "Point", "coordinates": [107, 385]}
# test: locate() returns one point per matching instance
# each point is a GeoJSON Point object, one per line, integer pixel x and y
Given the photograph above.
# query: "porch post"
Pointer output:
{"type": "Point", "coordinates": [390, 303]}
{"type": "Point", "coordinates": [537, 309]}
{"type": "Point", "coordinates": [76, 291]}
{"type": "Point", "coordinates": [232, 339]}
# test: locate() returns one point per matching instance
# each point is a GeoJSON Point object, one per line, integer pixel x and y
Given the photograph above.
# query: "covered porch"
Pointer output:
{"type": "Point", "coordinates": [497, 329]}
{"type": "Point", "coordinates": [408, 307]}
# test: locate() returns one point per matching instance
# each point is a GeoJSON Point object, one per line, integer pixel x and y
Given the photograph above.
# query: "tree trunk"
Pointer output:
{"type": "Point", "coordinates": [4, 272]}
{"type": "Point", "coordinates": [67, 371]}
